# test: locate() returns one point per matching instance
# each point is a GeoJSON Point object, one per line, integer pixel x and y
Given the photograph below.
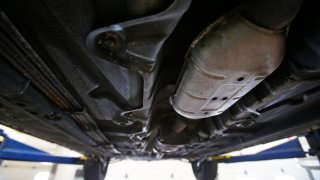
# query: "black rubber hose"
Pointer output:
{"type": "Point", "coordinates": [271, 14]}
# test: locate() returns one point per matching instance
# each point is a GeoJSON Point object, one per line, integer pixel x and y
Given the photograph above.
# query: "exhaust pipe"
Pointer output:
{"type": "Point", "coordinates": [232, 56]}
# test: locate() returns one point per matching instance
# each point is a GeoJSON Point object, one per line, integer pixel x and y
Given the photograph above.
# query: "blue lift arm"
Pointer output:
{"type": "Point", "coordinates": [11, 149]}
{"type": "Point", "coordinates": [290, 149]}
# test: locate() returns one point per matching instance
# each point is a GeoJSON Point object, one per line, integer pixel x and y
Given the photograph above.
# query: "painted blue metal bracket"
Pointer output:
{"type": "Point", "coordinates": [11, 149]}
{"type": "Point", "coordinates": [290, 149]}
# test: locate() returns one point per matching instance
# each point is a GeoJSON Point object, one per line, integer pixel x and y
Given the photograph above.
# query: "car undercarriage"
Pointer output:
{"type": "Point", "coordinates": [159, 79]}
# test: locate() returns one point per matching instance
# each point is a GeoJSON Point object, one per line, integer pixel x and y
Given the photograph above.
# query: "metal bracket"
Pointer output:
{"type": "Point", "coordinates": [314, 143]}
{"type": "Point", "coordinates": [136, 44]}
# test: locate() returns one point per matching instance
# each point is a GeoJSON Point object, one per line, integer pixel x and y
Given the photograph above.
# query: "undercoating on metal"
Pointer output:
{"type": "Point", "coordinates": [96, 76]}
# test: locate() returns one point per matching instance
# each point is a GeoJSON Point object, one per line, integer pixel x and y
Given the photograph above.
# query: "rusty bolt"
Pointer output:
{"type": "Point", "coordinates": [109, 41]}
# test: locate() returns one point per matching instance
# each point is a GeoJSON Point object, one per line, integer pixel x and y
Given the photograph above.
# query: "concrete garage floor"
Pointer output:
{"type": "Point", "coordinates": [288, 169]}
{"type": "Point", "coordinates": [168, 170]}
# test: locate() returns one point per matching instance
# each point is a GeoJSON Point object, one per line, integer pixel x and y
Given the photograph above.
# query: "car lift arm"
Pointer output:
{"type": "Point", "coordinates": [290, 149]}
{"type": "Point", "coordinates": [95, 168]}
{"type": "Point", "coordinates": [11, 149]}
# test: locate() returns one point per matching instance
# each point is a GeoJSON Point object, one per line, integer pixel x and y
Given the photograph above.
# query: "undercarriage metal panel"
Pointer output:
{"type": "Point", "coordinates": [96, 76]}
